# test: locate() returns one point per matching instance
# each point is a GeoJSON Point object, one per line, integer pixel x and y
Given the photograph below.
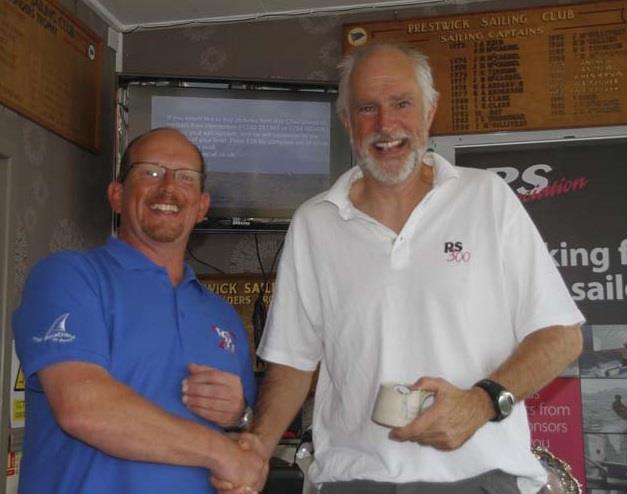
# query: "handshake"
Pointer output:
{"type": "Point", "coordinates": [247, 468]}
{"type": "Point", "coordinates": [239, 461]}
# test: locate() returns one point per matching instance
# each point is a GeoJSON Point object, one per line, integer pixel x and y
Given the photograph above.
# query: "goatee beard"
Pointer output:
{"type": "Point", "coordinates": [377, 170]}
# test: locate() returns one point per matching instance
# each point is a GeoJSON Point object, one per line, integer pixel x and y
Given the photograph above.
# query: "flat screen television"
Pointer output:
{"type": "Point", "coordinates": [267, 148]}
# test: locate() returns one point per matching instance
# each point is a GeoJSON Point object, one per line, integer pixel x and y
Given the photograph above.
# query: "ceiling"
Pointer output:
{"type": "Point", "coordinates": [126, 15]}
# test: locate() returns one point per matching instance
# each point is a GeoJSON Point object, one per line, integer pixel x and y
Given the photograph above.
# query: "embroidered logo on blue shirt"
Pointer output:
{"type": "Point", "coordinates": [57, 332]}
{"type": "Point", "coordinates": [226, 339]}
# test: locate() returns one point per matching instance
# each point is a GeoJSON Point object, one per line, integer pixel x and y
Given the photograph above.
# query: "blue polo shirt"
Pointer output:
{"type": "Point", "coordinates": [115, 308]}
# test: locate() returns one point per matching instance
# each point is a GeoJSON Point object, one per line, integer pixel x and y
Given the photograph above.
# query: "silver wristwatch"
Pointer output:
{"type": "Point", "coordinates": [502, 400]}
{"type": "Point", "coordinates": [246, 420]}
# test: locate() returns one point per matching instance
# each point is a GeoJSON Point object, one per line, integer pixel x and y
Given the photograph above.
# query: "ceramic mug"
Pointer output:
{"type": "Point", "coordinates": [397, 404]}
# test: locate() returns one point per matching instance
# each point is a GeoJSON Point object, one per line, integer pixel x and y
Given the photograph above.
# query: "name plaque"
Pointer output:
{"type": "Point", "coordinates": [530, 69]}
{"type": "Point", "coordinates": [50, 69]}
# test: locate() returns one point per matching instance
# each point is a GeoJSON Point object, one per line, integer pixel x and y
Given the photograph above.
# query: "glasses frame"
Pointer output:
{"type": "Point", "coordinates": [165, 169]}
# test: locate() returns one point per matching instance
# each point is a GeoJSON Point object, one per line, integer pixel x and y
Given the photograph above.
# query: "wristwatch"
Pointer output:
{"type": "Point", "coordinates": [502, 400]}
{"type": "Point", "coordinates": [246, 420]}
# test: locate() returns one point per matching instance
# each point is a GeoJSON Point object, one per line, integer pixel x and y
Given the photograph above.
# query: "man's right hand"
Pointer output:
{"type": "Point", "coordinates": [249, 444]}
{"type": "Point", "coordinates": [451, 420]}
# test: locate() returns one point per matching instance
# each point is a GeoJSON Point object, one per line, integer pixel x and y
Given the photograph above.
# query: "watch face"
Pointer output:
{"type": "Point", "coordinates": [247, 418]}
{"type": "Point", "coordinates": [506, 403]}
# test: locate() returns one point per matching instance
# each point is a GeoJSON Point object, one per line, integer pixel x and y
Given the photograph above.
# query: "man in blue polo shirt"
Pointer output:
{"type": "Point", "coordinates": [110, 338]}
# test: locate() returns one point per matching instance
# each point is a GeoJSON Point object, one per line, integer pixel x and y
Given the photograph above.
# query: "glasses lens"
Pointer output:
{"type": "Point", "coordinates": [149, 171]}
{"type": "Point", "coordinates": [188, 177]}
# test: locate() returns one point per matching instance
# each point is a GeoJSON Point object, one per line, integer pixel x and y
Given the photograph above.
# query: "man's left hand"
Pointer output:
{"type": "Point", "coordinates": [214, 395]}
{"type": "Point", "coordinates": [451, 420]}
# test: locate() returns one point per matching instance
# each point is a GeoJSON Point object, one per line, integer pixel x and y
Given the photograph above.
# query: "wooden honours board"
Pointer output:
{"type": "Point", "coordinates": [50, 69]}
{"type": "Point", "coordinates": [531, 69]}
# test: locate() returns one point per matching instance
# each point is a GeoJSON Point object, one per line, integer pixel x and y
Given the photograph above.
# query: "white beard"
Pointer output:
{"type": "Point", "coordinates": [393, 175]}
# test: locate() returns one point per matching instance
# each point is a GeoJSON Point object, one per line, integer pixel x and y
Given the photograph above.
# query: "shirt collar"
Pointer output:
{"type": "Point", "coordinates": [129, 258]}
{"type": "Point", "coordinates": [339, 193]}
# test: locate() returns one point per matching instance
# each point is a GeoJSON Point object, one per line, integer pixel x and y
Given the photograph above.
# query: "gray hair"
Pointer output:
{"type": "Point", "coordinates": [424, 77]}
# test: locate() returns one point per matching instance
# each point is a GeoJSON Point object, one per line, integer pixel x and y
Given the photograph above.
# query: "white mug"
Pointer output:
{"type": "Point", "coordinates": [397, 404]}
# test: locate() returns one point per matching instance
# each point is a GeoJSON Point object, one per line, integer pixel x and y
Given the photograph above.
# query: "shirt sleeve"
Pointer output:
{"type": "Point", "coordinates": [537, 293]}
{"type": "Point", "coordinates": [292, 335]}
{"type": "Point", "coordinates": [60, 317]}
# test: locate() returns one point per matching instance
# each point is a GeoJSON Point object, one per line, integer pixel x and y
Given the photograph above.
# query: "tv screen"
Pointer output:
{"type": "Point", "coordinates": [266, 150]}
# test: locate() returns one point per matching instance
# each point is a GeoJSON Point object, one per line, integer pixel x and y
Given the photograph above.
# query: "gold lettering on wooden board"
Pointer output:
{"type": "Point", "coordinates": [50, 69]}
{"type": "Point", "coordinates": [530, 69]}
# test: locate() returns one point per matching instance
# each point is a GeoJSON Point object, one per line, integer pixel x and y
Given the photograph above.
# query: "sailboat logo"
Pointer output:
{"type": "Point", "coordinates": [57, 331]}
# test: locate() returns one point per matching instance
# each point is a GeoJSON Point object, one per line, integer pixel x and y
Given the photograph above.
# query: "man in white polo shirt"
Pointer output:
{"type": "Point", "coordinates": [412, 270]}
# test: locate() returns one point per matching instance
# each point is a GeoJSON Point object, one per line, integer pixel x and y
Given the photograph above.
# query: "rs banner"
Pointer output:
{"type": "Point", "coordinates": [575, 192]}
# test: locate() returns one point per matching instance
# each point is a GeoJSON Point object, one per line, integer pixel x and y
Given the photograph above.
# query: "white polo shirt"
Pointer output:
{"type": "Point", "coordinates": [450, 296]}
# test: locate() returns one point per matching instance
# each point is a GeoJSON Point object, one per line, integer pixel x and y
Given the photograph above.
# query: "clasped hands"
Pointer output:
{"type": "Point", "coordinates": [218, 397]}
{"type": "Point", "coordinates": [249, 444]}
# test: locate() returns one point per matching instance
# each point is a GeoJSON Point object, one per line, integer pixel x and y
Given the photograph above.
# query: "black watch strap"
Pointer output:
{"type": "Point", "coordinates": [502, 400]}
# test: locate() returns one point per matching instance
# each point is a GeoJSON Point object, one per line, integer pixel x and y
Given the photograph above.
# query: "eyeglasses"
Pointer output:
{"type": "Point", "coordinates": [154, 172]}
